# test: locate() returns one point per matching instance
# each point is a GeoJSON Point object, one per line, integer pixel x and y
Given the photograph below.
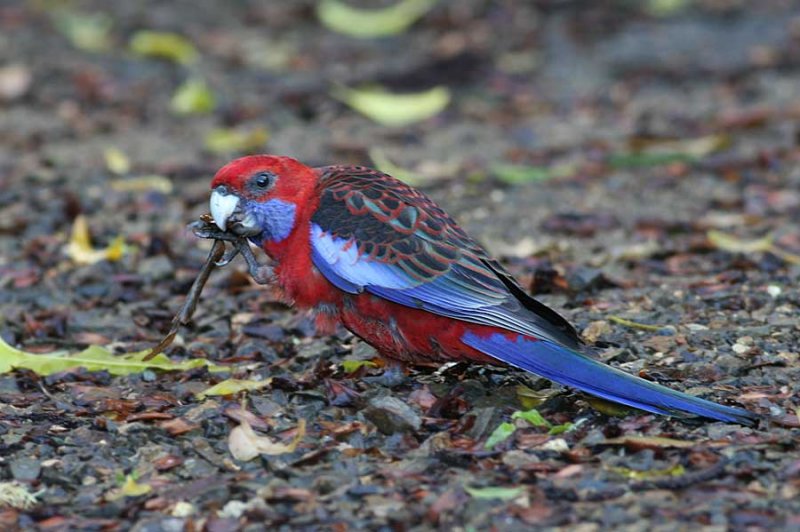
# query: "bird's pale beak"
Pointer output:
{"type": "Point", "coordinates": [229, 213]}
{"type": "Point", "coordinates": [222, 205]}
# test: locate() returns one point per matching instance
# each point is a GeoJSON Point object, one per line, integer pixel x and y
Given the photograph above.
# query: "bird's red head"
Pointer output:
{"type": "Point", "coordinates": [259, 196]}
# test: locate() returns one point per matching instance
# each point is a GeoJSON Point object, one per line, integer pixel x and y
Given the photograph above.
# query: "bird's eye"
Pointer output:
{"type": "Point", "coordinates": [264, 179]}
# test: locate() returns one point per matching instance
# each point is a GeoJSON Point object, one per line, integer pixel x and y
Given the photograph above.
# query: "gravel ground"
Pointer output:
{"type": "Point", "coordinates": [640, 137]}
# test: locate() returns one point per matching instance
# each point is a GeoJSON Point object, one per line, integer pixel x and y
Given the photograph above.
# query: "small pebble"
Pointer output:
{"type": "Point", "coordinates": [740, 349]}
{"type": "Point", "coordinates": [392, 415]}
{"type": "Point", "coordinates": [774, 290]}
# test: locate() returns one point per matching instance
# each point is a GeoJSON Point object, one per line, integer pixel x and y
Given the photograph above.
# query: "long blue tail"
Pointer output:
{"type": "Point", "coordinates": [571, 368]}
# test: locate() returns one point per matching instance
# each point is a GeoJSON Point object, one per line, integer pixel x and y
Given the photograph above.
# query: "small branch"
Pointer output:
{"type": "Point", "coordinates": [184, 315]}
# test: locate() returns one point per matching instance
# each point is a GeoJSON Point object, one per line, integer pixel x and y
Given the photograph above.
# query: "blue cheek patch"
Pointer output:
{"type": "Point", "coordinates": [276, 217]}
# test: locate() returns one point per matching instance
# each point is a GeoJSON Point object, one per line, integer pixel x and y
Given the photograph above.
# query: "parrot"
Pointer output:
{"type": "Point", "coordinates": [364, 250]}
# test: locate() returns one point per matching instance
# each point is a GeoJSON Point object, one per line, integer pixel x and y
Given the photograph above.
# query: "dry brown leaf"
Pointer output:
{"type": "Point", "coordinates": [245, 444]}
{"type": "Point", "coordinates": [650, 442]}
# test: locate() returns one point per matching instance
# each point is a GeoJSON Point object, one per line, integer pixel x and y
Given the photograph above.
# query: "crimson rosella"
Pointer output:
{"type": "Point", "coordinates": [363, 249]}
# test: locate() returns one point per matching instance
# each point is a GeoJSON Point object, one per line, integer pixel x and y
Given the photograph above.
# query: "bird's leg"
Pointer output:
{"type": "Point", "coordinates": [261, 273]}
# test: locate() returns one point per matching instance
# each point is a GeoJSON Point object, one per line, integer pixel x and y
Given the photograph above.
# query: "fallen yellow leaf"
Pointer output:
{"type": "Point", "coordinates": [142, 183]}
{"type": "Point", "coordinates": [635, 474]}
{"type": "Point", "coordinates": [733, 244]}
{"type": "Point", "coordinates": [193, 97]}
{"type": "Point", "coordinates": [232, 386]}
{"type": "Point", "coordinates": [79, 248]}
{"type": "Point", "coordinates": [130, 488]}
{"type": "Point", "coordinates": [164, 45]}
{"type": "Point", "coordinates": [116, 161]}
{"type": "Point", "coordinates": [85, 31]}
{"type": "Point", "coordinates": [392, 109]}
{"type": "Point", "coordinates": [634, 324]}
{"type": "Point", "coordinates": [363, 23]}
{"type": "Point", "coordinates": [235, 140]}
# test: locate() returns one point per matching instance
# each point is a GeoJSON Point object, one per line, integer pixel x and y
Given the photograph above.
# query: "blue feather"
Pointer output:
{"type": "Point", "coordinates": [573, 369]}
{"type": "Point", "coordinates": [454, 294]}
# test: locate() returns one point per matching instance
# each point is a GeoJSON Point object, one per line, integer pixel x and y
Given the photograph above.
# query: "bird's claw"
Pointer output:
{"type": "Point", "coordinates": [261, 274]}
{"type": "Point", "coordinates": [228, 257]}
{"type": "Point", "coordinates": [205, 228]}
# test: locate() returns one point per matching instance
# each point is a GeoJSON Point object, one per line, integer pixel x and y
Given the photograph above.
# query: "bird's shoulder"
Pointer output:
{"type": "Point", "coordinates": [357, 197]}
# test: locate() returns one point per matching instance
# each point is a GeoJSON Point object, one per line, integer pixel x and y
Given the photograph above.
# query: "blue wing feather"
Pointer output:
{"type": "Point", "coordinates": [454, 293]}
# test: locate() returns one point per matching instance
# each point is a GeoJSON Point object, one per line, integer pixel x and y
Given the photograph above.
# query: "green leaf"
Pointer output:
{"type": "Point", "coordinates": [531, 416]}
{"type": "Point", "coordinates": [349, 366]}
{"type": "Point", "coordinates": [642, 160]}
{"type": "Point", "coordinates": [560, 429]}
{"type": "Point", "coordinates": [394, 110]}
{"type": "Point", "coordinates": [665, 8]}
{"type": "Point", "coordinates": [608, 408]}
{"type": "Point", "coordinates": [233, 386]}
{"type": "Point", "coordinates": [495, 492]}
{"type": "Point", "coordinates": [85, 31]}
{"type": "Point", "coordinates": [659, 151]}
{"type": "Point", "coordinates": [529, 398]}
{"type": "Point", "coordinates": [193, 97]}
{"type": "Point", "coordinates": [515, 174]}
{"type": "Point", "coordinates": [93, 358]}
{"type": "Point", "coordinates": [221, 141]}
{"type": "Point", "coordinates": [366, 23]}
{"type": "Point", "coordinates": [164, 45]}
{"type": "Point", "coordinates": [500, 434]}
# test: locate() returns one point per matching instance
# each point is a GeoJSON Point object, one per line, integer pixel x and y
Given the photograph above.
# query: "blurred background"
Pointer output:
{"type": "Point", "coordinates": [634, 163]}
{"type": "Point", "coordinates": [565, 134]}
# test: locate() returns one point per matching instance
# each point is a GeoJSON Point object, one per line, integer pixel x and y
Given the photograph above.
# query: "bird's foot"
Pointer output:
{"type": "Point", "coordinates": [205, 228]}
{"type": "Point", "coordinates": [261, 273]}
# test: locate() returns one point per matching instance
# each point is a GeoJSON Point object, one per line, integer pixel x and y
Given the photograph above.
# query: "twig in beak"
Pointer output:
{"type": "Point", "coordinates": [187, 310]}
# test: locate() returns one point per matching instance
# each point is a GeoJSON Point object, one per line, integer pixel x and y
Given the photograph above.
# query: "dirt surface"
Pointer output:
{"type": "Point", "coordinates": [639, 133]}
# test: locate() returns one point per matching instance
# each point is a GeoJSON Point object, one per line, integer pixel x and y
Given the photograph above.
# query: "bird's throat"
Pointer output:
{"type": "Point", "coordinates": [276, 217]}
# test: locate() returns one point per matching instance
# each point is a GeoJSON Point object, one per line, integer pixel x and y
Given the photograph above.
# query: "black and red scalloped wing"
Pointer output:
{"type": "Point", "coordinates": [373, 232]}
